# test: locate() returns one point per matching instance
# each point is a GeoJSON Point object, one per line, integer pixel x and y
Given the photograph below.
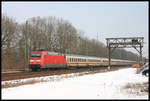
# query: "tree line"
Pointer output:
{"type": "Point", "coordinates": [51, 34]}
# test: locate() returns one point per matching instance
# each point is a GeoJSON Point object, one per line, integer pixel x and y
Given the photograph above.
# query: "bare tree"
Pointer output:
{"type": "Point", "coordinates": [52, 34]}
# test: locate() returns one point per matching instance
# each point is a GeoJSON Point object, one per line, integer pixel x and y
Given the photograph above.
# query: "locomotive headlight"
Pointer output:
{"type": "Point", "coordinates": [37, 60]}
{"type": "Point", "coordinates": [31, 60]}
{"type": "Point", "coordinates": [34, 60]}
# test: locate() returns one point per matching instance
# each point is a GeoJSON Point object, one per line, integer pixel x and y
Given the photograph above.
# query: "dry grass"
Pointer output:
{"type": "Point", "coordinates": [19, 84]}
{"type": "Point", "coordinates": [137, 88]}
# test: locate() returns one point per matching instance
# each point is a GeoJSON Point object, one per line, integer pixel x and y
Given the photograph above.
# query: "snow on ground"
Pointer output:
{"type": "Point", "coordinates": [107, 85]}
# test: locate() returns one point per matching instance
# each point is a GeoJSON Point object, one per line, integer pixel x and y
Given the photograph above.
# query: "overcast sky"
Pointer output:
{"type": "Point", "coordinates": [108, 19]}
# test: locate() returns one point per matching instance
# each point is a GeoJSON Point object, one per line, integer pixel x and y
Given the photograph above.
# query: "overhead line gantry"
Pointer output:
{"type": "Point", "coordinates": [125, 42]}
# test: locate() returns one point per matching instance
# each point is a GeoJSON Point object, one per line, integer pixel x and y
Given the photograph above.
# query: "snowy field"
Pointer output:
{"type": "Point", "coordinates": [108, 85]}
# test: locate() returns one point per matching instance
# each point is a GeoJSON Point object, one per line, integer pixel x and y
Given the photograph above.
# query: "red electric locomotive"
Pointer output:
{"type": "Point", "coordinates": [44, 59]}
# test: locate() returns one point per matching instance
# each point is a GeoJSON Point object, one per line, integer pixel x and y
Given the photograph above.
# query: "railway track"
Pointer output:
{"type": "Point", "coordinates": [29, 74]}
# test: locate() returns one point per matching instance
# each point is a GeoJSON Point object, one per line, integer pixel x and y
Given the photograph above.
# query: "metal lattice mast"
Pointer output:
{"type": "Point", "coordinates": [126, 42]}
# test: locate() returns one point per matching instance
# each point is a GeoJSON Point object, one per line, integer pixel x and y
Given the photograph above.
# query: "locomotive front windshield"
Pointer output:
{"type": "Point", "coordinates": [35, 55]}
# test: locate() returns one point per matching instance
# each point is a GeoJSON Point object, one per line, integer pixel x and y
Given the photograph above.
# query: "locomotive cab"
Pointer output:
{"type": "Point", "coordinates": [35, 62]}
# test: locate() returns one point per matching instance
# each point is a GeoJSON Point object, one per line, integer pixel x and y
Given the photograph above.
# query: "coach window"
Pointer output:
{"type": "Point", "coordinates": [67, 59]}
{"type": "Point", "coordinates": [71, 59]}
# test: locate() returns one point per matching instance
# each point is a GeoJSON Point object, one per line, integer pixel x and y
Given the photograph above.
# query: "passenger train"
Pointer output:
{"type": "Point", "coordinates": [46, 59]}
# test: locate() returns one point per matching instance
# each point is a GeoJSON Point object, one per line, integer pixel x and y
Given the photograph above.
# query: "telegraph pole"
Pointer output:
{"type": "Point", "coordinates": [26, 46]}
{"type": "Point", "coordinates": [86, 47]}
{"type": "Point", "coordinates": [97, 45]}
